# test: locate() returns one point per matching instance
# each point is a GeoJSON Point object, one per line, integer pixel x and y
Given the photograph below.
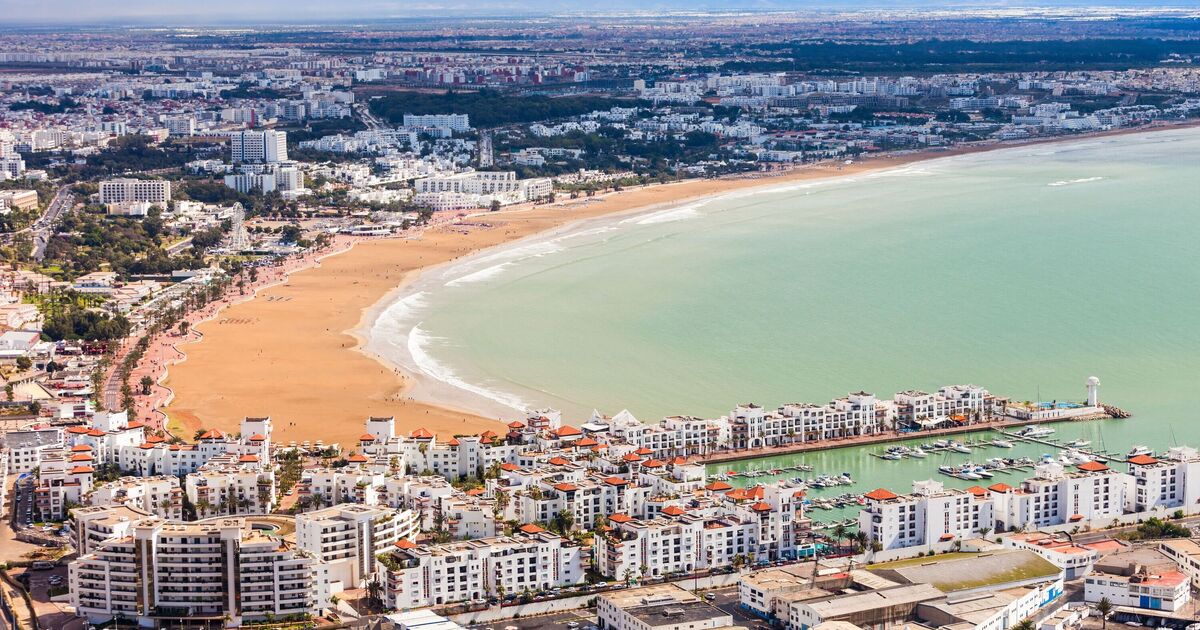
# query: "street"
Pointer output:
{"type": "Point", "coordinates": [43, 228]}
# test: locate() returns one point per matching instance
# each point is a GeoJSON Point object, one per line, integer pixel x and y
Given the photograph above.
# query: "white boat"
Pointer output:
{"type": "Point", "coordinates": [1079, 443]}
{"type": "Point", "coordinates": [949, 470]}
{"type": "Point", "coordinates": [983, 472]}
{"type": "Point", "coordinates": [917, 452]}
{"type": "Point", "coordinates": [1139, 449]}
{"type": "Point", "coordinates": [1002, 443]}
{"type": "Point", "coordinates": [959, 448]}
{"type": "Point", "coordinates": [1077, 457]}
{"type": "Point", "coordinates": [1035, 432]}
{"type": "Point", "coordinates": [891, 456]}
{"type": "Point", "coordinates": [969, 475]}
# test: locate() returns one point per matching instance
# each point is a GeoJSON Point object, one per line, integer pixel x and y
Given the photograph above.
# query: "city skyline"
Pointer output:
{"type": "Point", "coordinates": [175, 13]}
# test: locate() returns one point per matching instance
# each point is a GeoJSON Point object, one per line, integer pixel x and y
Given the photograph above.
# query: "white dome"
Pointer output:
{"type": "Point", "coordinates": [1092, 380]}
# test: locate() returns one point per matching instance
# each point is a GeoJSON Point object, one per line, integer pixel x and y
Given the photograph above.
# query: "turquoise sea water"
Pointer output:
{"type": "Point", "coordinates": [1024, 270]}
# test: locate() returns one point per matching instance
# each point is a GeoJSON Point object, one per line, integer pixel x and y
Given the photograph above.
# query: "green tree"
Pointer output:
{"type": "Point", "coordinates": [1105, 608]}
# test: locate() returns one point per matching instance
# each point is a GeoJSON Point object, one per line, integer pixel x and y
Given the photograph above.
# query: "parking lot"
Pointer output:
{"type": "Point", "coordinates": [50, 614]}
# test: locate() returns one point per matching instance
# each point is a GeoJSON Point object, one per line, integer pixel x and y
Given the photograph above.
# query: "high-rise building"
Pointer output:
{"type": "Point", "coordinates": [258, 146]}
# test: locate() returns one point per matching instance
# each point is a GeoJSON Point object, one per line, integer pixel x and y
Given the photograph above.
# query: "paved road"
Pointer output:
{"type": "Point", "coordinates": [43, 228]}
{"type": "Point", "coordinates": [368, 118]}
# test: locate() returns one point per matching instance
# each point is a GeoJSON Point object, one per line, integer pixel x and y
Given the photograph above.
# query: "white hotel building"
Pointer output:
{"type": "Point", "coordinates": [255, 147]}
{"type": "Point", "coordinates": [1092, 493]}
{"type": "Point", "coordinates": [432, 575]}
{"type": "Point", "coordinates": [348, 537]}
{"type": "Point", "coordinates": [157, 191]}
{"type": "Point", "coordinates": [1167, 483]}
{"type": "Point", "coordinates": [162, 572]}
{"type": "Point", "coordinates": [929, 515]}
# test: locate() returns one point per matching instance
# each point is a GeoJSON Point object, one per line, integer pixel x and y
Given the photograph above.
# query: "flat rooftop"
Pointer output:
{"type": "Point", "coordinates": [676, 613]}
{"type": "Point", "coordinates": [645, 595]}
{"type": "Point", "coordinates": [962, 572]}
{"type": "Point", "coordinates": [856, 603]}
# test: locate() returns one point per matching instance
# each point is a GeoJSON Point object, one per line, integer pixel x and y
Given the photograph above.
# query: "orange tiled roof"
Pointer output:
{"type": "Point", "coordinates": [1000, 487]}
{"type": "Point", "coordinates": [1142, 460]}
{"type": "Point", "coordinates": [421, 434]}
{"type": "Point", "coordinates": [566, 487]}
{"type": "Point", "coordinates": [530, 528]}
{"type": "Point", "coordinates": [881, 494]}
{"type": "Point", "coordinates": [718, 486]}
{"type": "Point", "coordinates": [1092, 467]}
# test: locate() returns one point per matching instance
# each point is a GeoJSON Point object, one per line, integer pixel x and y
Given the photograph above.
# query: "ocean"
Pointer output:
{"type": "Point", "coordinates": [1024, 270]}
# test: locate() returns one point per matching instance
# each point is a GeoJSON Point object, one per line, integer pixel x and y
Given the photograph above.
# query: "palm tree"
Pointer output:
{"type": "Point", "coordinates": [861, 540]}
{"type": "Point", "coordinates": [501, 502]}
{"type": "Point", "coordinates": [1024, 624]}
{"type": "Point", "coordinates": [374, 590]}
{"type": "Point", "coordinates": [1104, 607]}
{"type": "Point", "coordinates": [839, 534]}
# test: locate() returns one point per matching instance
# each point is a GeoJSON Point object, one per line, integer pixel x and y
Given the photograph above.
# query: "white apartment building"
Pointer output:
{"type": "Point", "coordinates": [1170, 482]}
{"type": "Point", "coordinates": [953, 403]}
{"type": "Point", "coordinates": [254, 147]}
{"type": "Point", "coordinates": [63, 478]}
{"type": "Point", "coordinates": [158, 495]}
{"type": "Point", "coordinates": [431, 575]}
{"type": "Point", "coordinates": [453, 122]}
{"type": "Point", "coordinates": [470, 182]}
{"type": "Point", "coordinates": [231, 484]}
{"type": "Point", "coordinates": [764, 523]}
{"type": "Point", "coordinates": [929, 515]}
{"type": "Point", "coordinates": [180, 125]}
{"type": "Point", "coordinates": [1091, 493]}
{"type": "Point", "coordinates": [226, 567]}
{"type": "Point", "coordinates": [348, 537]}
{"type": "Point", "coordinates": [26, 448]}
{"type": "Point", "coordinates": [1186, 555]}
{"type": "Point", "coordinates": [283, 178]}
{"type": "Point", "coordinates": [11, 167]}
{"type": "Point", "coordinates": [157, 191]}
{"type": "Point", "coordinates": [1139, 578]}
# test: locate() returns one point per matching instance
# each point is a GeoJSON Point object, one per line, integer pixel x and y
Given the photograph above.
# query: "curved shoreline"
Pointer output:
{"type": "Point", "coordinates": [336, 415]}
{"type": "Point", "coordinates": [430, 388]}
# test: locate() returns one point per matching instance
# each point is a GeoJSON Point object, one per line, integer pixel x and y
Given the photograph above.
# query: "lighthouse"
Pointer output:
{"type": "Point", "coordinates": [1093, 389]}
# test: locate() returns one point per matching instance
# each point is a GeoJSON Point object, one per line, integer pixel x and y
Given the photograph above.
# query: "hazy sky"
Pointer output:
{"type": "Point", "coordinates": [182, 11]}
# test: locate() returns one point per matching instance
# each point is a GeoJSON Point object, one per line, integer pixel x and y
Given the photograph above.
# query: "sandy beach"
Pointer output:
{"type": "Point", "coordinates": [292, 352]}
